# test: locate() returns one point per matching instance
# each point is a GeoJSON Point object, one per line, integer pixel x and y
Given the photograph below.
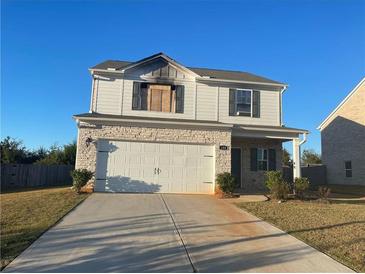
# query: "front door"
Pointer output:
{"type": "Point", "coordinates": [236, 165]}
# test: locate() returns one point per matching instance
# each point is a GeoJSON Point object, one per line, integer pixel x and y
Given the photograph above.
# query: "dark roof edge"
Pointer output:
{"type": "Point", "coordinates": [103, 117]}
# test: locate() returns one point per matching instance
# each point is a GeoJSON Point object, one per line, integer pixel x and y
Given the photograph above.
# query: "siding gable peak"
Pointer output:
{"type": "Point", "coordinates": [163, 63]}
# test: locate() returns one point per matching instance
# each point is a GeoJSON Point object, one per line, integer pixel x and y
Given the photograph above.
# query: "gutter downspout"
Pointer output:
{"type": "Point", "coordinates": [304, 139]}
{"type": "Point", "coordinates": [281, 105]}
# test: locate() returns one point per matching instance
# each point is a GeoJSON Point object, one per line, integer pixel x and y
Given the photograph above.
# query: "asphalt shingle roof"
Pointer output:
{"type": "Point", "coordinates": [211, 73]}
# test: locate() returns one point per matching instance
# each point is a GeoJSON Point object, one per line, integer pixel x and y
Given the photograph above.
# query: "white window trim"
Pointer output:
{"type": "Point", "coordinates": [267, 158]}
{"type": "Point", "coordinates": [251, 98]}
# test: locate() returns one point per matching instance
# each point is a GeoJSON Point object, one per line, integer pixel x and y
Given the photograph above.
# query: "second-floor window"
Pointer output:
{"type": "Point", "coordinates": [158, 97]}
{"type": "Point", "coordinates": [244, 102]}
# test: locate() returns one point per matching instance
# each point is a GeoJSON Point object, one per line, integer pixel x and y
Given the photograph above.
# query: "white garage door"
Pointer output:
{"type": "Point", "coordinates": [124, 166]}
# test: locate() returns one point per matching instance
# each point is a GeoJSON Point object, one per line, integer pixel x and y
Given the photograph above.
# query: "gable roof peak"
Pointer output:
{"type": "Point", "coordinates": [353, 91]}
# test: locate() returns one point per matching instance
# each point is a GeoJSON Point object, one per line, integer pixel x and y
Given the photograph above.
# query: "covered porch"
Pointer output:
{"type": "Point", "coordinates": [257, 149]}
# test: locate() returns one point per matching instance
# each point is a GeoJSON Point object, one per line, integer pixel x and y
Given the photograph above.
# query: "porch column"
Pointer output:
{"type": "Point", "coordinates": [296, 158]}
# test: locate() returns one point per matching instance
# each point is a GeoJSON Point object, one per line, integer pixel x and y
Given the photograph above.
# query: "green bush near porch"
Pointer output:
{"type": "Point", "coordinates": [279, 189]}
{"type": "Point", "coordinates": [226, 182]}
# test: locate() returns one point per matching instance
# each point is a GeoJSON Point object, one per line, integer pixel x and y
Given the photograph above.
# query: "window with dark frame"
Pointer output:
{"type": "Point", "coordinates": [348, 168]}
{"type": "Point", "coordinates": [158, 97]}
{"type": "Point", "coordinates": [262, 159]}
{"type": "Point", "coordinates": [243, 102]}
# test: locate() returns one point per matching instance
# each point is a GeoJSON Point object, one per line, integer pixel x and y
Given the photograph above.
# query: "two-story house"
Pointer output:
{"type": "Point", "coordinates": [155, 125]}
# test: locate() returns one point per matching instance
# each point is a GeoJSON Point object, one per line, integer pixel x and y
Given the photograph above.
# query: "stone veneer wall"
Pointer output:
{"type": "Point", "coordinates": [255, 180]}
{"type": "Point", "coordinates": [86, 155]}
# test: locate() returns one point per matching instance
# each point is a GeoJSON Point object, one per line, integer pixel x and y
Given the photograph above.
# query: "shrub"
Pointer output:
{"type": "Point", "coordinates": [278, 188]}
{"type": "Point", "coordinates": [80, 178]}
{"type": "Point", "coordinates": [323, 192]}
{"type": "Point", "coordinates": [226, 182]}
{"type": "Point", "coordinates": [300, 186]}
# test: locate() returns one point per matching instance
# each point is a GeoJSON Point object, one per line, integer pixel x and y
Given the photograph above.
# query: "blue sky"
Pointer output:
{"type": "Point", "coordinates": [317, 47]}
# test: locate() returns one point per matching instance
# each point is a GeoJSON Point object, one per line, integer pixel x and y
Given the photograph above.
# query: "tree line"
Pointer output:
{"type": "Point", "coordinates": [13, 151]}
{"type": "Point", "coordinates": [309, 157]}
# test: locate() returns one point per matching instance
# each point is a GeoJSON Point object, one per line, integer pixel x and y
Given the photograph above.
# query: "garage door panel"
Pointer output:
{"type": "Point", "coordinates": [126, 184]}
{"type": "Point", "coordinates": [178, 149]}
{"type": "Point", "coordinates": [164, 161]}
{"type": "Point", "coordinates": [135, 159]}
{"type": "Point", "coordinates": [135, 147]}
{"type": "Point", "coordinates": [206, 150]}
{"type": "Point", "coordinates": [191, 162]}
{"type": "Point", "coordinates": [155, 167]}
{"type": "Point", "coordinates": [205, 187]}
{"type": "Point", "coordinates": [150, 147]}
{"type": "Point", "coordinates": [164, 148]}
{"type": "Point", "coordinates": [149, 159]}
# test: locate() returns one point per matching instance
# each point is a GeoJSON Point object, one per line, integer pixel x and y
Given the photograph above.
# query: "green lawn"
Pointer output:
{"type": "Point", "coordinates": [27, 213]}
{"type": "Point", "coordinates": [337, 229]}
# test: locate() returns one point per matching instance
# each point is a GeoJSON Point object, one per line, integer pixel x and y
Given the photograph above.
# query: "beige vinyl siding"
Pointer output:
{"type": "Point", "coordinates": [269, 109]}
{"type": "Point", "coordinates": [202, 100]}
{"type": "Point", "coordinates": [159, 68]}
{"type": "Point", "coordinates": [189, 102]}
{"type": "Point", "coordinates": [108, 96]}
{"type": "Point", "coordinates": [207, 102]}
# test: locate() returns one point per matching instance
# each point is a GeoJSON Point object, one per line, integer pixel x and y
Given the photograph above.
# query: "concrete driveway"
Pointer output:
{"type": "Point", "coordinates": [167, 233]}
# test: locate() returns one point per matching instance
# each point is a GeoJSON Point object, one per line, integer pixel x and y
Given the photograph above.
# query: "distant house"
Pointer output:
{"type": "Point", "coordinates": [343, 140]}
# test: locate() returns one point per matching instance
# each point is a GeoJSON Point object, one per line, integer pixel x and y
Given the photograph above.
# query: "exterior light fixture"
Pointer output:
{"type": "Point", "coordinates": [88, 141]}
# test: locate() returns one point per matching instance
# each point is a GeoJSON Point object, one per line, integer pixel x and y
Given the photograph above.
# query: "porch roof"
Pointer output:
{"type": "Point", "coordinates": [273, 132]}
{"type": "Point", "coordinates": [254, 131]}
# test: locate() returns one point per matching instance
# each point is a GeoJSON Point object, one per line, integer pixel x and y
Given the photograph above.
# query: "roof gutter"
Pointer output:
{"type": "Point", "coordinates": [243, 82]}
{"type": "Point", "coordinates": [105, 70]}
{"type": "Point", "coordinates": [278, 129]}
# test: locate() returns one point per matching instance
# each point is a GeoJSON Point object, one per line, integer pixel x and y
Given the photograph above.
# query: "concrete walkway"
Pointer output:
{"type": "Point", "coordinates": [167, 233]}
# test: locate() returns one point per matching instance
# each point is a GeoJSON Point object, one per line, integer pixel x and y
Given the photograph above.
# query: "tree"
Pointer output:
{"type": "Point", "coordinates": [13, 151]}
{"type": "Point", "coordinates": [56, 155]}
{"type": "Point", "coordinates": [286, 160]}
{"type": "Point", "coordinates": [69, 153]}
{"type": "Point", "coordinates": [309, 156]}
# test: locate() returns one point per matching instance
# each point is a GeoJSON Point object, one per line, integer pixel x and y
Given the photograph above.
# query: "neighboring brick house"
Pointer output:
{"type": "Point", "coordinates": [343, 140]}
{"type": "Point", "coordinates": [157, 126]}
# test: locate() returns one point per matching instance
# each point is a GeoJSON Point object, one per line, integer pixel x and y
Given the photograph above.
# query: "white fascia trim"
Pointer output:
{"type": "Point", "coordinates": [283, 129]}
{"type": "Point", "coordinates": [264, 135]}
{"type": "Point", "coordinates": [238, 81]}
{"type": "Point", "coordinates": [320, 127]}
{"type": "Point", "coordinates": [105, 70]}
{"type": "Point", "coordinates": [151, 122]}
{"type": "Point", "coordinates": [168, 59]}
